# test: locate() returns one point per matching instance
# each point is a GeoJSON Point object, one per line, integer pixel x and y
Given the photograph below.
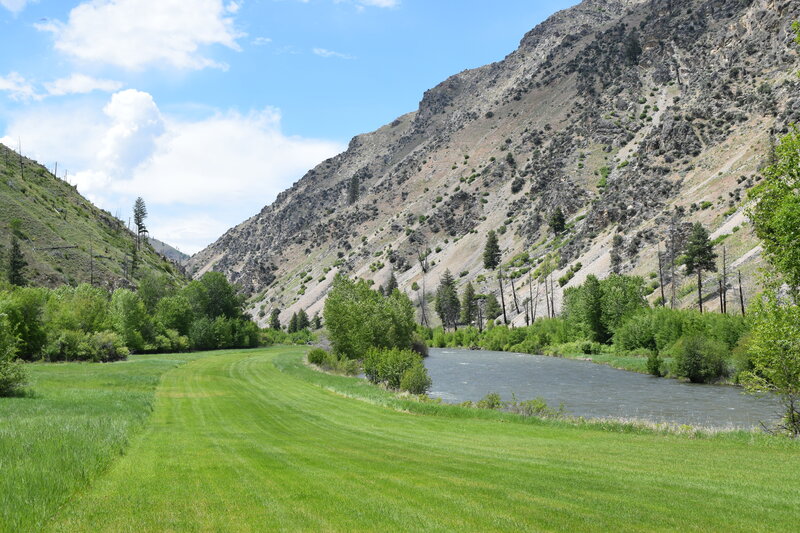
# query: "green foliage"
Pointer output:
{"type": "Point", "coordinates": [699, 359]}
{"type": "Point", "coordinates": [16, 264]}
{"type": "Point", "coordinates": [558, 222]}
{"type": "Point", "coordinates": [389, 366]}
{"type": "Point", "coordinates": [598, 307]}
{"type": "Point", "coordinates": [316, 356]}
{"type": "Point", "coordinates": [654, 364]}
{"type": "Point", "coordinates": [448, 307]}
{"type": "Point", "coordinates": [469, 305]}
{"type": "Point", "coordinates": [416, 380]}
{"type": "Point", "coordinates": [274, 319]}
{"type": "Point", "coordinates": [776, 211]}
{"type": "Point", "coordinates": [774, 349]}
{"type": "Point", "coordinates": [490, 401]}
{"type": "Point", "coordinates": [492, 307]}
{"type": "Point", "coordinates": [359, 318]}
{"type": "Point", "coordinates": [13, 378]}
{"type": "Point", "coordinates": [129, 318]}
{"type": "Point", "coordinates": [491, 252]}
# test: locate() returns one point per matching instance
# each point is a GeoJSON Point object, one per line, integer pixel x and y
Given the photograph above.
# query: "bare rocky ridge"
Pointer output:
{"type": "Point", "coordinates": [634, 117]}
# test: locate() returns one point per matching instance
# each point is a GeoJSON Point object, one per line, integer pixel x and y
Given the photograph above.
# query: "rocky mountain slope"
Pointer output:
{"type": "Point", "coordinates": [633, 117]}
{"type": "Point", "coordinates": [64, 237]}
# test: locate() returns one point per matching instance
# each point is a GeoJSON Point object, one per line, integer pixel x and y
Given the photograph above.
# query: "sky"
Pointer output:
{"type": "Point", "coordinates": [209, 108]}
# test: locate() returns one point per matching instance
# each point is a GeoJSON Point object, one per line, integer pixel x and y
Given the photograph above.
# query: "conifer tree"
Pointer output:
{"type": "Point", "coordinates": [699, 257]}
{"type": "Point", "coordinates": [139, 215]}
{"type": "Point", "coordinates": [447, 305]}
{"type": "Point", "coordinates": [302, 320]}
{"type": "Point", "coordinates": [492, 307]}
{"type": "Point", "coordinates": [316, 322]}
{"type": "Point", "coordinates": [16, 264]}
{"type": "Point", "coordinates": [391, 285]}
{"type": "Point", "coordinates": [558, 222]}
{"type": "Point", "coordinates": [274, 319]}
{"type": "Point", "coordinates": [292, 324]}
{"type": "Point", "coordinates": [491, 253]}
{"type": "Point", "coordinates": [469, 306]}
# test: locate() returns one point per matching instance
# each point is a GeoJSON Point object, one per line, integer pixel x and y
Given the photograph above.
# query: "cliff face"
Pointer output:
{"type": "Point", "coordinates": [633, 117]}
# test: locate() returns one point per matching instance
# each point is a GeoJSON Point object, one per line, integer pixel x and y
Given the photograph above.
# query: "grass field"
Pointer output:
{"type": "Point", "coordinates": [252, 441]}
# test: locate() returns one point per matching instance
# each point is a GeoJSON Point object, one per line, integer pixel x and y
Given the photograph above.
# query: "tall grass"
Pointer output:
{"type": "Point", "coordinates": [57, 439]}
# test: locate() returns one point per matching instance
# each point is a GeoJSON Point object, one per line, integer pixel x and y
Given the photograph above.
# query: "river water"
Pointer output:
{"type": "Point", "coordinates": [591, 390]}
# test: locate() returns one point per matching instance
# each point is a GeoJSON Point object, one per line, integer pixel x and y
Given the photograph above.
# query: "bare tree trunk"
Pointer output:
{"type": "Point", "coordinates": [724, 280]}
{"type": "Point", "coordinates": [530, 297]}
{"type": "Point", "coordinates": [741, 293]}
{"type": "Point", "coordinates": [480, 318]}
{"type": "Point", "coordinates": [661, 277]}
{"type": "Point", "coordinates": [502, 297]}
{"type": "Point", "coordinates": [552, 296]}
{"type": "Point", "coordinates": [514, 292]}
{"type": "Point", "coordinates": [700, 290]}
{"type": "Point", "coordinates": [547, 298]}
{"type": "Point", "coordinates": [536, 302]}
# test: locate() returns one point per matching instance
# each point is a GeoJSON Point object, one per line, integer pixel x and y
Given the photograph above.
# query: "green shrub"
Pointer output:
{"type": "Point", "coordinates": [388, 365]}
{"type": "Point", "coordinates": [699, 359]}
{"type": "Point", "coordinates": [108, 346]}
{"type": "Point", "coordinates": [13, 378]}
{"type": "Point", "coordinates": [69, 345]}
{"type": "Point", "coordinates": [654, 364]}
{"type": "Point", "coordinates": [316, 356]}
{"type": "Point", "coordinates": [416, 380]}
{"type": "Point", "coordinates": [536, 407]}
{"type": "Point", "coordinates": [490, 401]}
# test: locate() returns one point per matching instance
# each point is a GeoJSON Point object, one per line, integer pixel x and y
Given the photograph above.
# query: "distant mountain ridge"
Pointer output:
{"type": "Point", "coordinates": [633, 117]}
{"type": "Point", "coordinates": [65, 238]}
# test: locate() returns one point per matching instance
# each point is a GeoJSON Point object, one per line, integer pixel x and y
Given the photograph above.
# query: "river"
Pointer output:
{"type": "Point", "coordinates": [591, 390]}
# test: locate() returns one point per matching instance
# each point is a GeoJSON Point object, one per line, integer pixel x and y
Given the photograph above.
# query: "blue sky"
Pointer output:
{"type": "Point", "coordinates": [209, 108]}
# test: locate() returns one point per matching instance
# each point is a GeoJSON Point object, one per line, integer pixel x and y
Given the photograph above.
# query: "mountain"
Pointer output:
{"type": "Point", "coordinates": [168, 251]}
{"type": "Point", "coordinates": [64, 237]}
{"type": "Point", "coordinates": [635, 118]}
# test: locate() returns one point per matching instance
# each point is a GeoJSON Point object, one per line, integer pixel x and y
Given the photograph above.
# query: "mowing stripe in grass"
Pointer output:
{"type": "Point", "coordinates": [236, 444]}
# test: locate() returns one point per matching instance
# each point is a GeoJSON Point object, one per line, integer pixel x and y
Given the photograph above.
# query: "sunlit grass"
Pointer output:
{"type": "Point", "coordinates": [256, 441]}
{"type": "Point", "coordinates": [78, 418]}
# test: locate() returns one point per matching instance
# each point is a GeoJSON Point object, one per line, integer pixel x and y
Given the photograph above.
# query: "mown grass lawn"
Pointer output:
{"type": "Point", "coordinates": [253, 441]}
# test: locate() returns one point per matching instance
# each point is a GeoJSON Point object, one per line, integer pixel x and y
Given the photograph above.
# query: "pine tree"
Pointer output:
{"type": "Point", "coordinates": [292, 324]}
{"type": "Point", "coordinates": [469, 306]}
{"type": "Point", "coordinates": [274, 319]}
{"type": "Point", "coordinates": [391, 285]}
{"type": "Point", "coordinates": [139, 215]}
{"type": "Point", "coordinates": [699, 257]}
{"type": "Point", "coordinates": [558, 222]}
{"type": "Point", "coordinates": [352, 190]}
{"type": "Point", "coordinates": [16, 264]}
{"type": "Point", "coordinates": [447, 305]}
{"type": "Point", "coordinates": [316, 322]}
{"type": "Point", "coordinates": [302, 320]}
{"type": "Point", "coordinates": [491, 253]}
{"type": "Point", "coordinates": [492, 307]}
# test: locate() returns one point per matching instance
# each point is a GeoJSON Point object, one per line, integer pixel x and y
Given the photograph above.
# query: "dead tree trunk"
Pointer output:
{"type": "Point", "coordinates": [502, 296]}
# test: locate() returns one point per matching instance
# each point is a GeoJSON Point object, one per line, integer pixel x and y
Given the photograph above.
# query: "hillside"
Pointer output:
{"type": "Point", "coordinates": [633, 117]}
{"type": "Point", "coordinates": [168, 251]}
{"type": "Point", "coordinates": [60, 231]}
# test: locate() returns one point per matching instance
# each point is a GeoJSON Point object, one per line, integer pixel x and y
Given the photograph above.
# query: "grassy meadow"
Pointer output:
{"type": "Point", "coordinates": [255, 440]}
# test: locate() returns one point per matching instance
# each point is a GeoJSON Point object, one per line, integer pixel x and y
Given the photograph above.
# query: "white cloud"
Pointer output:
{"type": "Point", "coordinates": [322, 52]}
{"type": "Point", "coordinates": [261, 41]}
{"type": "Point", "coordinates": [80, 84]}
{"type": "Point", "coordinates": [15, 6]}
{"type": "Point", "coordinates": [18, 87]}
{"type": "Point", "coordinates": [197, 177]}
{"type": "Point", "coordinates": [134, 34]}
